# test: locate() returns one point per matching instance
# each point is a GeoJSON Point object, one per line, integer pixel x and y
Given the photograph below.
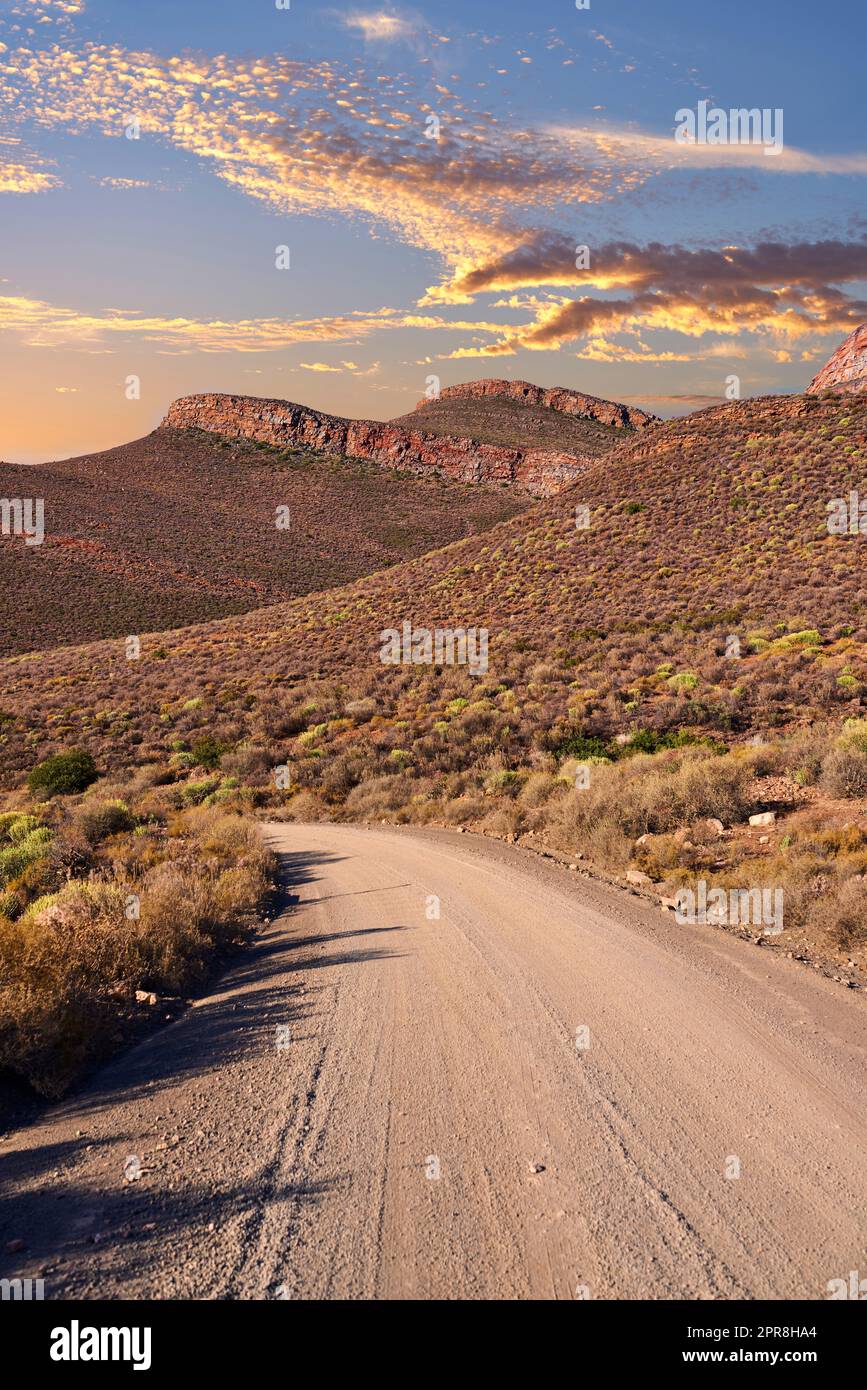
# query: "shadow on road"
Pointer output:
{"type": "Point", "coordinates": [237, 1020]}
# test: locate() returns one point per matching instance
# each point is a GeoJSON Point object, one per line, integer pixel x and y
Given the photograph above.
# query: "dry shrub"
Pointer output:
{"type": "Point", "coordinates": [841, 916]}
{"type": "Point", "coordinates": [304, 806]}
{"type": "Point", "coordinates": [650, 793]}
{"type": "Point", "coordinates": [251, 762]}
{"type": "Point", "coordinates": [96, 821]}
{"type": "Point", "coordinates": [844, 772]}
{"type": "Point", "coordinates": [129, 784]}
{"type": "Point", "coordinates": [74, 956]}
{"type": "Point", "coordinates": [537, 789]}
{"type": "Point", "coordinates": [506, 820]}
{"type": "Point", "coordinates": [360, 710]}
{"type": "Point", "coordinates": [57, 965]}
{"type": "Point", "coordinates": [380, 796]}
{"type": "Point", "coordinates": [460, 810]}
{"type": "Point", "coordinates": [804, 752]}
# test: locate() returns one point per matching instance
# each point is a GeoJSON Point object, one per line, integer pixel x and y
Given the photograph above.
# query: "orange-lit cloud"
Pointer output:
{"type": "Point", "coordinates": [42, 324]}
{"type": "Point", "coordinates": [24, 178]}
{"type": "Point", "coordinates": [323, 138]}
{"type": "Point", "coordinates": [312, 138]}
{"type": "Point", "coordinates": [775, 289]}
{"type": "Point", "coordinates": [378, 25]}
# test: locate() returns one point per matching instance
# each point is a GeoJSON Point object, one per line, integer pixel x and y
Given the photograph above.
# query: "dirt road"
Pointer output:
{"type": "Point", "coordinates": [547, 1090]}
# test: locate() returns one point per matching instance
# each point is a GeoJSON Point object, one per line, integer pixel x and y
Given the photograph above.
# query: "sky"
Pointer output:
{"type": "Point", "coordinates": [462, 189]}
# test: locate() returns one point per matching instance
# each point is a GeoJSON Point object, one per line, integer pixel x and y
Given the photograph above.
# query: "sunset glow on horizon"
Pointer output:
{"type": "Point", "coordinates": [432, 185]}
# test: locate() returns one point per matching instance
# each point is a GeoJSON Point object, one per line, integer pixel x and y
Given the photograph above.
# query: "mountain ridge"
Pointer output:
{"type": "Point", "coordinates": [559, 398]}
{"type": "Point", "coordinates": [404, 443]}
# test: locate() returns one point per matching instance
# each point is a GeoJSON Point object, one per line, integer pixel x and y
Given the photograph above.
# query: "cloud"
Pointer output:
{"type": "Point", "coordinates": [380, 25]}
{"type": "Point", "coordinates": [59, 13]}
{"type": "Point", "coordinates": [323, 138]}
{"type": "Point", "coordinates": [41, 324]}
{"type": "Point", "coordinates": [318, 367]}
{"type": "Point", "coordinates": [549, 259]}
{"type": "Point", "coordinates": [107, 181]}
{"type": "Point", "coordinates": [625, 146]}
{"type": "Point", "coordinates": [791, 290]}
{"type": "Point", "coordinates": [24, 178]}
{"type": "Point", "coordinates": [317, 138]}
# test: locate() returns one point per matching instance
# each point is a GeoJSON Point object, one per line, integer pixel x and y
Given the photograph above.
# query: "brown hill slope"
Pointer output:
{"type": "Point", "coordinates": [705, 529]}
{"type": "Point", "coordinates": [496, 411]}
{"type": "Point", "coordinates": [180, 527]}
{"type": "Point", "coordinates": [707, 599]}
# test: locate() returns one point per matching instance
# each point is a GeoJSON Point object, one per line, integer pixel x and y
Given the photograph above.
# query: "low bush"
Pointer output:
{"type": "Point", "coordinates": [63, 774]}
{"type": "Point", "coordinates": [95, 822]}
{"type": "Point", "coordinates": [844, 772]}
{"type": "Point", "coordinates": [652, 794]}
{"type": "Point", "coordinates": [842, 915]}
{"type": "Point", "coordinates": [72, 958]}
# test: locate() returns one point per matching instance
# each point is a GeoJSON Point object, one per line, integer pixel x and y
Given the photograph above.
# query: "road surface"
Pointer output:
{"type": "Point", "coordinates": [453, 1070]}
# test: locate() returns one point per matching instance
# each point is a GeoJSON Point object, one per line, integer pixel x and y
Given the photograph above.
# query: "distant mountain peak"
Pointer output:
{"type": "Point", "coordinates": [846, 369]}
{"type": "Point", "coordinates": [560, 398]}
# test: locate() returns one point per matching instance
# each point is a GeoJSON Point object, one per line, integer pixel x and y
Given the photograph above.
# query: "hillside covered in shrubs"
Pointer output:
{"type": "Point", "coordinates": [114, 897]}
{"type": "Point", "coordinates": [692, 657]}
{"type": "Point", "coordinates": [181, 526]}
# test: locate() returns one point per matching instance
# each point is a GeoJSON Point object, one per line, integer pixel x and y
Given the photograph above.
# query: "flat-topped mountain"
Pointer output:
{"type": "Point", "coordinates": [181, 526]}
{"type": "Point", "coordinates": [525, 437]}
{"type": "Point", "coordinates": [518, 414]}
{"type": "Point", "coordinates": [561, 399]}
{"type": "Point", "coordinates": [846, 369]}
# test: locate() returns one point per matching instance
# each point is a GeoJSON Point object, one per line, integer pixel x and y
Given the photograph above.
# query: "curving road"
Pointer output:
{"type": "Point", "coordinates": [547, 1090]}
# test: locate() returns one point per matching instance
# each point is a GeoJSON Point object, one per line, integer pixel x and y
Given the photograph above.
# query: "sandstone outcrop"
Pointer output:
{"type": "Point", "coordinates": [538, 472]}
{"type": "Point", "coordinates": [846, 369]}
{"type": "Point", "coordinates": [554, 398]}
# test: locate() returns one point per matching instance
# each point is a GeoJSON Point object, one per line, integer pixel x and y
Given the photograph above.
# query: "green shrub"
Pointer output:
{"type": "Point", "coordinates": [22, 827]}
{"type": "Point", "coordinates": [808, 638]}
{"type": "Point", "coordinates": [15, 825]}
{"type": "Point", "coordinates": [63, 774]}
{"type": "Point", "coordinates": [649, 741]}
{"type": "Point", "coordinates": [15, 858]}
{"type": "Point", "coordinates": [583, 747]}
{"type": "Point", "coordinates": [208, 751]}
{"type": "Point", "coordinates": [195, 792]}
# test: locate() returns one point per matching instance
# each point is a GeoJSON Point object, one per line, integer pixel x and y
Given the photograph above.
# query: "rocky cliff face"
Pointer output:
{"type": "Point", "coordinates": [846, 370]}
{"type": "Point", "coordinates": [540, 473]}
{"type": "Point", "coordinates": [554, 398]}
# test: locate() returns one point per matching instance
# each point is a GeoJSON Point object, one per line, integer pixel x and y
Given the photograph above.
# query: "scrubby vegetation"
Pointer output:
{"type": "Point", "coordinates": [212, 504]}
{"type": "Point", "coordinates": [63, 773]}
{"type": "Point", "coordinates": [652, 648]}
{"type": "Point", "coordinates": [126, 888]}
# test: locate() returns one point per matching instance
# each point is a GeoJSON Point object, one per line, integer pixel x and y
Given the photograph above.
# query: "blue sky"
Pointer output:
{"type": "Point", "coordinates": [155, 257]}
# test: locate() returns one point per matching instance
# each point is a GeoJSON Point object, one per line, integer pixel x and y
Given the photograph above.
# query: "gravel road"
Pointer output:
{"type": "Point", "coordinates": [451, 1069]}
